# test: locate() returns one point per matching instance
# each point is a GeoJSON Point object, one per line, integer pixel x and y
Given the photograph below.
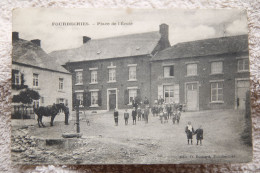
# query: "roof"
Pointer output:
{"type": "Point", "coordinates": [113, 47]}
{"type": "Point", "coordinates": [28, 53]}
{"type": "Point", "coordinates": [205, 47]}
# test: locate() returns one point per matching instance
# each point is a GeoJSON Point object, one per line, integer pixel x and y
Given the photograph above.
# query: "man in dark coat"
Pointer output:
{"type": "Point", "coordinates": [134, 103]}
{"type": "Point", "coordinates": [146, 101]}
{"type": "Point", "coordinates": [126, 116]}
{"type": "Point", "coordinates": [139, 113]}
{"type": "Point", "coordinates": [199, 135]}
{"type": "Point", "coordinates": [116, 117]}
{"type": "Point", "coordinates": [189, 132]}
{"type": "Point", "coordinates": [146, 114]}
{"type": "Point", "coordinates": [134, 116]}
{"type": "Point", "coordinates": [66, 112]}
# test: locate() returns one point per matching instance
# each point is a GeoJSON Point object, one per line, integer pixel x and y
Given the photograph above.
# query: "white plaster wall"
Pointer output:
{"type": "Point", "coordinates": [48, 84]}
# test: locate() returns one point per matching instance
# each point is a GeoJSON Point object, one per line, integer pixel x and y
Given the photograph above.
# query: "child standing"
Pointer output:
{"type": "Point", "coordinates": [189, 131]}
{"type": "Point", "coordinates": [199, 135]}
{"type": "Point", "coordinates": [116, 117]}
{"type": "Point", "coordinates": [126, 116]}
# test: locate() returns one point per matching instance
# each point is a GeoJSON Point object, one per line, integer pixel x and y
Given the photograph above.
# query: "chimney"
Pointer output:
{"type": "Point", "coordinates": [37, 42]}
{"type": "Point", "coordinates": [15, 36]}
{"type": "Point", "coordinates": [164, 31]}
{"type": "Point", "coordinates": [86, 39]}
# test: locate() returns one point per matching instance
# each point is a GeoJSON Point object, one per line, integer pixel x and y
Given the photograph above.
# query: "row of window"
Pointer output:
{"type": "Point", "coordinates": [168, 93]}
{"type": "Point", "coordinates": [17, 80]}
{"type": "Point", "coordinates": [168, 71]}
{"type": "Point", "coordinates": [216, 91]}
{"type": "Point", "coordinates": [111, 75]}
{"type": "Point", "coordinates": [216, 68]}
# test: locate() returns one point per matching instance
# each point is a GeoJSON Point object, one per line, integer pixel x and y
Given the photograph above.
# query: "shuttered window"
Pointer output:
{"type": "Point", "coordinates": [168, 71]}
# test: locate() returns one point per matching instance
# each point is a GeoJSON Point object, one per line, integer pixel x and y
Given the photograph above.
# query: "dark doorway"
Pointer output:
{"type": "Point", "coordinates": [112, 101]}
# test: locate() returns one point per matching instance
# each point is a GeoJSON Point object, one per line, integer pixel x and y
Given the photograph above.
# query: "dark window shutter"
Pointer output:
{"type": "Point", "coordinates": [74, 100]}
{"type": "Point", "coordinates": [138, 97]}
{"type": "Point", "coordinates": [13, 75]}
{"type": "Point", "coordinates": [85, 99]}
{"type": "Point", "coordinates": [88, 99]}
{"type": "Point", "coordinates": [126, 97]}
{"type": "Point", "coordinates": [172, 71]}
{"type": "Point", "coordinates": [99, 98]}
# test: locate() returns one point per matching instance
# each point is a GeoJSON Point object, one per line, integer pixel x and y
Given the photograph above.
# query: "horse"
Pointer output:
{"type": "Point", "coordinates": [51, 110]}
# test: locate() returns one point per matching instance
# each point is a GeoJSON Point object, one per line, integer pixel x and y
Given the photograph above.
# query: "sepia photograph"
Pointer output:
{"type": "Point", "coordinates": [130, 86]}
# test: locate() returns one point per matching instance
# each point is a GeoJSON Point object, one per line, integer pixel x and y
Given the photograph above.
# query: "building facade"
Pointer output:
{"type": "Point", "coordinates": [204, 74]}
{"type": "Point", "coordinates": [30, 70]}
{"type": "Point", "coordinates": [109, 73]}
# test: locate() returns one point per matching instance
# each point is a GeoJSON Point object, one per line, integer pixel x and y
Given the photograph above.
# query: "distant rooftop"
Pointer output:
{"type": "Point", "coordinates": [115, 47]}
{"type": "Point", "coordinates": [30, 53]}
{"type": "Point", "coordinates": [213, 46]}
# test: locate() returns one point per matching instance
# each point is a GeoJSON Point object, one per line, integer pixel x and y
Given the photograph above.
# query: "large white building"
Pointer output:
{"type": "Point", "coordinates": [32, 67]}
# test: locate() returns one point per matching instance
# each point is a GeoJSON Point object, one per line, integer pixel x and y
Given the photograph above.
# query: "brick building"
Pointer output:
{"type": "Point", "coordinates": [203, 74]}
{"type": "Point", "coordinates": [31, 67]}
{"type": "Point", "coordinates": [108, 73]}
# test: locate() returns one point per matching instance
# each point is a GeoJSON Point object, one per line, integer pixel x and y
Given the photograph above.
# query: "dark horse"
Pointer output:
{"type": "Point", "coordinates": [51, 111]}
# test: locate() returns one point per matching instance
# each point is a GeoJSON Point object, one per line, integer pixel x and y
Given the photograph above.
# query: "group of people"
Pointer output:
{"type": "Point", "coordinates": [141, 111]}
{"type": "Point", "coordinates": [190, 132]}
{"type": "Point", "coordinates": [167, 111]}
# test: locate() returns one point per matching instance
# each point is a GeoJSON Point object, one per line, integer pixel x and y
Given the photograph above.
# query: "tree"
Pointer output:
{"type": "Point", "coordinates": [26, 97]}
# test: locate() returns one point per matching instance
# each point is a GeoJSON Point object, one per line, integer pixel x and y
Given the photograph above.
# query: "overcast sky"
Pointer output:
{"type": "Point", "coordinates": [184, 25]}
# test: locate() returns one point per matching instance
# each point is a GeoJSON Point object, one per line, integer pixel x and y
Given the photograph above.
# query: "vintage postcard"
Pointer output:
{"type": "Point", "coordinates": [128, 86]}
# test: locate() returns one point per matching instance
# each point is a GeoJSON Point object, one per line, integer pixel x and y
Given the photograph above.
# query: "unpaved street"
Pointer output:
{"type": "Point", "coordinates": [105, 143]}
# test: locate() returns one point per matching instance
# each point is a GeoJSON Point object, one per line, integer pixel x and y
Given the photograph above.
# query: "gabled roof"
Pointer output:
{"type": "Point", "coordinates": [214, 46]}
{"type": "Point", "coordinates": [28, 53]}
{"type": "Point", "coordinates": [113, 47]}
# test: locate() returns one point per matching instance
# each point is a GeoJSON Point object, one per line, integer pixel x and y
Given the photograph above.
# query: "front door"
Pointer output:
{"type": "Point", "coordinates": [192, 96]}
{"type": "Point", "coordinates": [112, 99]}
{"type": "Point", "coordinates": [242, 88]}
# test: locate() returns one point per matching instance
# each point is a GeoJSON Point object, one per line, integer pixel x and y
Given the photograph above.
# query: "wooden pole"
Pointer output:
{"type": "Point", "coordinates": [77, 116]}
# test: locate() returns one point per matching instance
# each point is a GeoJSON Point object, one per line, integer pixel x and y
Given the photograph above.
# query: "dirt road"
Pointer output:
{"type": "Point", "coordinates": [105, 143]}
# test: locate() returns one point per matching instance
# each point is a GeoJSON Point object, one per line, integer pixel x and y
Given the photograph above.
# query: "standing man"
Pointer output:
{"type": "Point", "coordinates": [134, 103]}
{"type": "Point", "coordinates": [146, 102]}
{"type": "Point", "coordinates": [146, 113]}
{"type": "Point", "coordinates": [116, 117]}
{"type": "Point", "coordinates": [67, 113]}
{"type": "Point", "coordinates": [134, 116]}
{"type": "Point", "coordinates": [126, 116]}
{"type": "Point", "coordinates": [189, 132]}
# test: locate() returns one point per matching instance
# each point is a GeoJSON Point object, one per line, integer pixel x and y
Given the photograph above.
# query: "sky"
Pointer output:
{"type": "Point", "coordinates": [184, 25]}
